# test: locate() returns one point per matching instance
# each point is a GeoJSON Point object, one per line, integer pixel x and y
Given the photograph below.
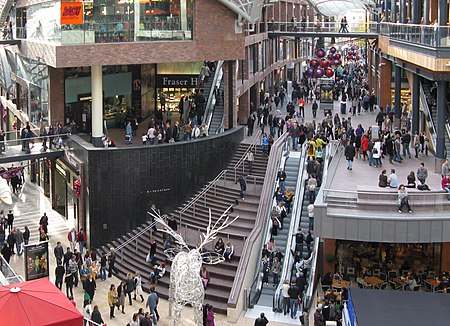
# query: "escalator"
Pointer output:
{"type": "Point", "coordinates": [429, 107]}
{"type": "Point", "coordinates": [291, 169]}
{"type": "Point", "coordinates": [214, 110]}
{"type": "Point", "coordinates": [217, 116]}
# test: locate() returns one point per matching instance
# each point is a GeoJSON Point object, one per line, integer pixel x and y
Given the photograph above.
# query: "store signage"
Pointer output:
{"type": "Point", "coordinates": [72, 13]}
{"type": "Point", "coordinates": [177, 81]}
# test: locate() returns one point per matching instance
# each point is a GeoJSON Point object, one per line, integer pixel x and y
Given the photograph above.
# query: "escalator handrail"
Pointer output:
{"type": "Point", "coordinates": [426, 110]}
{"type": "Point", "coordinates": [312, 279]}
{"type": "Point", "coordinates": [257, 282]}
{"type": "Point", "coordinates": [295, 220]}
{"type": "Point", "coordinates": [218, 74]}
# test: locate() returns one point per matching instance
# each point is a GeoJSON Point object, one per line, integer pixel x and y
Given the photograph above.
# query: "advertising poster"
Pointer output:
{"type": "Point", "coordinates": [72, 13]}
{"type": "Point", "coordinates": [36, 261]}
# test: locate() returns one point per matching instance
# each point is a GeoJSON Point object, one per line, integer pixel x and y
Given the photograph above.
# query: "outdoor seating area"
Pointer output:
{"type": "Point", "coordinates": [398, 267]}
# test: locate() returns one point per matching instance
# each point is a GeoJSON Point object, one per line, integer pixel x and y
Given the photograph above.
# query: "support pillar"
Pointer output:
{"type": "Point", "coordinates": [385, 82]}
{"type": "Point", "coordinates": [415, 103]}
{"type": "Point", "coordinates": [397, 99]}
{"type": "Point", "coordinates": [433, 6]}
{"type": "Point", "coordinates": [329, 251]}
{"type": "Point", "coordinates": [386, 11]}
{"type": "Point", "coordinates": [442, 19]}
{"type": "Point", "coordinates": [97, 105]}
{"type": "Point", "coordinates": [426, 12]}
{"type": "Point", "coordinates": [440, 119]}
{"type": "Point", "coordinates": [393, 11]}
{"type": "Point", "coordinates": [402, 11]}
{"type": "Point", "coordinates": [445, 256]}
{"type": "Point", "coordinates": [416, 11]}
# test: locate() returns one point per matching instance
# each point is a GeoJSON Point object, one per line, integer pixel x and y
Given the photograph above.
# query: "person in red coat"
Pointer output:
{"type": "Point", "coordinates": [72, 236]}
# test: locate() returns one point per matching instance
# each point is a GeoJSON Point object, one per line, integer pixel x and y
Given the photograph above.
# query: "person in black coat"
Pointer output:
{"type": "Point", "coordinates": [11, 241]}
{"type": "Point", "coordinates": [69, 280]}
{"type": "Point", "coordinates": [6, 252]}
{"type": "Point", "coordinates": [90, 286]}
{"type": "Point", "coordinates": [350, 153]}
{"type": "Point", "coordinates": [59, 275]}
{"type": "Point", "coordinates": [261, 320]}
{"type": "Point", "coordinates": [96, 316]}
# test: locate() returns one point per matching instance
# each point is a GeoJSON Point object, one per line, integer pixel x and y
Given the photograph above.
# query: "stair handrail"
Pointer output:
{"type": "Point", "coordinates": [218, 74]}
{"type": "Point", "coordinates": [428, 117]}
{"type": "Point", "coordinates": [295, 221]}
{"type": "Point", "coordinates": [247, 265]}
{"type": "Point", "coordinates": [251, 147]}
{"type": "Point", "coordinates": [134, 237]}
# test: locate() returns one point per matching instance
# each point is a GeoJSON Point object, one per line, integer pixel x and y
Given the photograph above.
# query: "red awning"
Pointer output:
{"type": "Point", "coordinates": [37, 303]}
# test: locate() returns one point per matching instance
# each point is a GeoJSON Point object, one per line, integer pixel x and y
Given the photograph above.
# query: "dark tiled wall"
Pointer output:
{"type": "Point", "coordinates": [122, 182]}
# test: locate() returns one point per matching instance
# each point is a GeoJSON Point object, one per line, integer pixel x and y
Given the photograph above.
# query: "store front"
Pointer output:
{"type": "Point", "coordinates": [175, 82]}
{"type": "Point", "coordinates": [368, 258]}
{"type": "Point", "coordinates": [117, 97]}
{"type": "Point", "coordinates": [64, 199]}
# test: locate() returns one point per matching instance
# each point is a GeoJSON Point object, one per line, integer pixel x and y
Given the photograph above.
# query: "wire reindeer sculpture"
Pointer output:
{"type": "Point", "coordinates": [186, 286]}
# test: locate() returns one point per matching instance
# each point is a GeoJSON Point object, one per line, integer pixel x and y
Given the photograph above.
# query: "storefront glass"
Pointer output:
{"type": "Point", "coordinates": [366, 257]}
{"type": "Point", "coordinates": [105, 21]}
{"type": "Point", "coordinates": [117, 97]}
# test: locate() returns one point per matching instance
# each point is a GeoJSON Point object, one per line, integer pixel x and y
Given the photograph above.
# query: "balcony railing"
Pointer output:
{"type": "Point", "coordinates": [434, 36]}
{"type": "Point", "coordinates": [148, 29]}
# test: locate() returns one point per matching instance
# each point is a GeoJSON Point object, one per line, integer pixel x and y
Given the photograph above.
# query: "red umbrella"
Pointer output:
{"type": "Point", "coordinates": [37, 303]}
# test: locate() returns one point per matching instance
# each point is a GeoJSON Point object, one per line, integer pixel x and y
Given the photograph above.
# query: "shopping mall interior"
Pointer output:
{"type": "Point", "coordinates": [211, 111]}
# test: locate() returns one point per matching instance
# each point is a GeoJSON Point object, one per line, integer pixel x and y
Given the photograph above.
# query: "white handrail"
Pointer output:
{"type": "Point", "coordinates": [427, 112]}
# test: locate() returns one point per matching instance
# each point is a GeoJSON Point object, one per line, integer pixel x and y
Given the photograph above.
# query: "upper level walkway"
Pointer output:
{"type": "Point", "coordinates": [16, 150]}
{"type": "Point", "coordinates": [353, 207]}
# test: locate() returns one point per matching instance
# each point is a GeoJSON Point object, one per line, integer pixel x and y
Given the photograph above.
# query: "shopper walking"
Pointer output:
{"type": "Point", "coordinates": [152, 304]}
{"type": "Point", "coordinates": [112, 300]}
{"type": "Point", "coordinates": [350, 153]}
{"type": "Point", "coordinates": [250, 158]}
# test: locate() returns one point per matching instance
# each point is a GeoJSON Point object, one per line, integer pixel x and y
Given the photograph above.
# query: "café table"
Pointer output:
{"type": "Point", "coordinates": [399, 283]}
{"type": "Point", "coordinates": [337, 294]}
{"type": "Point", "coordinates": [374, 281]}
{"type": "Point", "coordinates": [340, 284]}
{"type": "Point", "coordinates": [433, 284]}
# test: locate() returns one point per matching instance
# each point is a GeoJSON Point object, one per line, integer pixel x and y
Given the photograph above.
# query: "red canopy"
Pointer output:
{"type": "Point", "coordinates": [36, 303]}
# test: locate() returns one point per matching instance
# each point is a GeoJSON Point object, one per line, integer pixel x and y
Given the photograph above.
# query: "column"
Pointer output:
{"type": "Point", "coordinates": [97, 105]}
{"type": "Point", "coordinates": [442, 20]}
{"type": "Point", "coordinates": [440, 119]}
{"type": "Point", "coordinates": [416, 11]}
{"type": "Point", "coordinates": [386, 11]}
{"type": "Point", "coordinates": [385, 82]}
{"type": "Point", "coordinates": [393, 11]}
{"type": "Point", "coordinates": [183, 15]}
{"type": "Point", "coordinates": [415, 103]}
{"type": "Point", "coordinates": [433, 6]}
{"type": "Point", "coordinates": [329, 251]}
{"type": "Point", "coordinates": [426, 12]}
{"type": "Point", "coordinates": [402, 11]}
{"type": "Point", "coordinates": [397, 99]}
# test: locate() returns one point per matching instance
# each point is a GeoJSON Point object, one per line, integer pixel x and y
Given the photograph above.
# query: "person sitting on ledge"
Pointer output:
{"type": "Point", "coordinates": [383, 179]}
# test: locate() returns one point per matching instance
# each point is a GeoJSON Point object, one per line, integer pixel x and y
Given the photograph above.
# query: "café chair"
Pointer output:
{"type": "Point", "coordinates": [416, 287]}
{"type": "Point", "coordinates": [431, 274]}
{"type": "Point", "coordinates": [362, 284]}
{"type": "Point", "coordinates": [395, 286]}
{"type": "Point", "coordinates": [351, 273]}
{"type": "Point", "coordinates": [376, 272]}
{"type": "Point", "coordinates": [393, 274]}
{"type": "Point", "coordinates": [384, 277]}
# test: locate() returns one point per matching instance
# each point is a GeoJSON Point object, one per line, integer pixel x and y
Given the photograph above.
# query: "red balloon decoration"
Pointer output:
{"type": "Point", "coordinates": [324, 63]}
{"type": "Point", "coordinates": [329, 72]}
{"type": "Point", "coordinates": [358, 57]}
{"type": "Point", "coordinates": [314, 63]}
{"type": "Point", "coordinates": [329, 56]}
{"type": "Point", "coordinates": [338, 56]}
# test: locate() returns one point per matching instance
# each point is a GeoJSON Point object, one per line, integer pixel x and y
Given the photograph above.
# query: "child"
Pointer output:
{"type": "Point", "coordinates": [144, 139]}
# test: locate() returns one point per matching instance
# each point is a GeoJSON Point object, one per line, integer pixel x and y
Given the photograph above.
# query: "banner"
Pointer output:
{"type": "Point", "coordinates": [72, 13]}
{"type": "Point", "coordinates": [36, 261]}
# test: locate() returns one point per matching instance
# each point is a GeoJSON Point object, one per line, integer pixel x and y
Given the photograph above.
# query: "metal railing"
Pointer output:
{"type": "Point", "coordinates": [89, 322]}
{"type": "Point", "coordinates": [7, 274]}
{"type": "Point", "coordinates": [28, 143]}
{"type": "Point", "coordinates": [296, 215]}
{"type": "Point", "coordinates": [135, 238]}
{"type": "Point", "coordinates": [241, 162]}
{"type": "Point", "coordinates": [250, 258]}
{"type": "Point", "coordinates": [428, 35]}
{"type": "Point", "coordinates": [318, 26]}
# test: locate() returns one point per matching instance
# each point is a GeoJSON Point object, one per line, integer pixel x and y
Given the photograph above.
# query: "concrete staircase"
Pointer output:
{"type": "Point", "coordinates": [194, 220]}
